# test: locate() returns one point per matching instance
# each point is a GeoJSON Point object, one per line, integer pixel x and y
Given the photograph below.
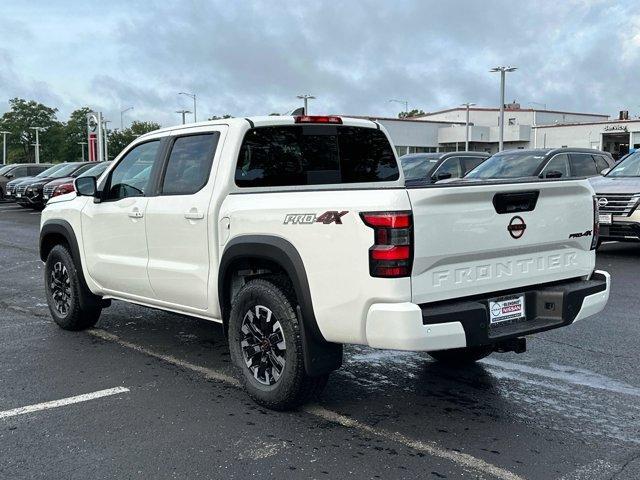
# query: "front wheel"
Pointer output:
{"type": "Point", "coordinates": [265, 341]}
{"type": "Point", "coordinates": [462, 356]}
{"type": "Point", "coordinates": [72, 305]}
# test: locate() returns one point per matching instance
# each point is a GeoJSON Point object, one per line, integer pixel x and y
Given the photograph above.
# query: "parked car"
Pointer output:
{"type": "Point", "coordinates": [298, 235]}
{"type": "Point", "coordinates": [29, 192]}
{"type": "Point", "coordinates": [18, 170]}
{"type": "Point", "coordinates": [432, 167]}
{"type": "Point", "coordinates": [65, 185]}
{"type": "Point", "coordinates": [618, 196]}
{"type": "Point", "coordinates": [543, 163]}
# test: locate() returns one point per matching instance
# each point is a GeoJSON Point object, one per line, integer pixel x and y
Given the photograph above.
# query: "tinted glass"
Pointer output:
{"type": "Point", "coordinates": [5, 169]}
{"type": "Point", "coordinates": [64, 171]}
{"type": "Point", "coordinates": [314, 155]}
{"type": "Point", "coordinates": [51, 170]}
{"type": "Point", "coordinates": [559, 163]}
{"type": "Point", "coordinates": [96, 170]}
{"type": "Point", "coordinates": [83, 168]}
{"type": "Point", "coordinates": [629, 167]}
{"type": "Point", "coordinates": [19, 172]}
{"type": "Point", "coordinates": [418, 167]}
{"type": "Point", "coordinates": [469, 163]}
{"type": "Point", "coordinates": [601, 163]}
{"type": "Point", "coordinates": [582, 165]}
{"type": "Point", "coordinates": [508, 165]}
{"type": "Point", "coordinates": [450, 168]}
{"type": "Point", "coordinates": [131, 176]}
{"type": "Point", "coordinates": [189, 164]}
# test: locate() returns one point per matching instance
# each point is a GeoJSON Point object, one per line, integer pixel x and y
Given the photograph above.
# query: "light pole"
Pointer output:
{"type": "Point", "coordinates": [82, 144]}
{"type": "Point", "coordinates": [4, 145]}
{"type": "Point", "coordinates": [466, 138]}
{"type": "Point", "coordinates": [306, 97]}
{"type": "Point", "coordinates": [37, 144]}
{"type": "Point", "coordinates": [105, 124]}
{"type": "Point", "coordinates": [184, 113]}
{"type": "Point", "coordinates": [122, 112]}
{"type": "Point", "coordinates": [193, 97]}
{"type": "Point", "coordinates": [403, 102]}
{"type": "Point", "coordinates": [503, 71]}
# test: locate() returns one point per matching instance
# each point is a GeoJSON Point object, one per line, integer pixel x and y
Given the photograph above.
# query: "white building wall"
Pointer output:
{"type": "Point", "coordinates": [407, 133]}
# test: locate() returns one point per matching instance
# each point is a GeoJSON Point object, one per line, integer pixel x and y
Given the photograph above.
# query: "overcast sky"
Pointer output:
{"type": "Point", "coordinates": [254, 57]}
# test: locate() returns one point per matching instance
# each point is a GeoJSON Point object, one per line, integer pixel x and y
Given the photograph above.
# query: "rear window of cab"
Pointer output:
{"type": "Point", "coordinates": [314, 155]}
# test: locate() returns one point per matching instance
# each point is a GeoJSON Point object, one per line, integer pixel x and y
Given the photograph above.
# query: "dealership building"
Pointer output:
{"type": "Point", "coordinates": [445, 130]}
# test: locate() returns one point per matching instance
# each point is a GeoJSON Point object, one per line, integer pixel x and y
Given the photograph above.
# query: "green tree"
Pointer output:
{"type": "Point", "coordinates": [75, 131]}
{"type": "Point", "coordinates": [23, 115]}
{"type": "Point", "coordinates": [410, 114]}
{"type": "Point", "coordinates": [119, 139]}
{"type": "Point", "coordinates": [215, 117]}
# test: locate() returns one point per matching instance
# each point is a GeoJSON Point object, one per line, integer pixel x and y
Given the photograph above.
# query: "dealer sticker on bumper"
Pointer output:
{"type": "Point", "coordinates": [505, 309]}
{"type": "Point", "coordinates": [605, 218]}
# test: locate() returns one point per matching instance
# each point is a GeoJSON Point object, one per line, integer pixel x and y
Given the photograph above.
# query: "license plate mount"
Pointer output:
{"type": "Point", "coordinates": [507, 309]}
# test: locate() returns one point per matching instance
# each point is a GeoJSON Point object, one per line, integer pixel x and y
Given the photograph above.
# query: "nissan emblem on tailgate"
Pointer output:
{"type": "Point", "coordinates": [516, 227]}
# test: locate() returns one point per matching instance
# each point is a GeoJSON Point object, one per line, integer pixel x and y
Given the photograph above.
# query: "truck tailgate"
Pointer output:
{"type": "Point", "coordinates": [463, 246]}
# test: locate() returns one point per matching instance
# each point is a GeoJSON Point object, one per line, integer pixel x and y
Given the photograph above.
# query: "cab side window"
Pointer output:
{"type": "Point", "coordinates": [559, 163]}
{"type": "Point", "coordinates": [469, 163]}
{"type": "Point", "coordinates": [189, 164]}
{"type": "Point", "coordinates": [583, 165]}
{"type": "Point", "coordinates": [450, 168]}
{"type": "Point", "coordinates": [131, 177]}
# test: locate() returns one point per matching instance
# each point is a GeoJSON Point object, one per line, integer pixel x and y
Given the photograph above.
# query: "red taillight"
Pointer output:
{"type": "Point", "coordinates": [62, 189]}
{"type": "Point", "coordinates": [392, 253]}
{"type": "Point", "coordinates": [318, 119]}
{"type": "Point", "coordinates": [596, 224]}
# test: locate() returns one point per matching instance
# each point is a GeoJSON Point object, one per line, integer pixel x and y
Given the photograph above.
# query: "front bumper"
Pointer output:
{"type": "Point", "coordinates": [463, 323]}
{"type": "Point", "coordinates": [620, 231]}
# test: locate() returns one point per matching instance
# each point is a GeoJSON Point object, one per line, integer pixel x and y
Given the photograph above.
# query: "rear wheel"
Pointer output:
{"type": "Point", "coordinates": [462, 356]}
{"type": "Point", "coordinates": [266, 345]}
{"type": "Point", "coordinates": [72, 305]}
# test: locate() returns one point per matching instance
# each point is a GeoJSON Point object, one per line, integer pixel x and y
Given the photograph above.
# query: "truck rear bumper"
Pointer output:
{"type": "Point", "coordinates": [461, 323]}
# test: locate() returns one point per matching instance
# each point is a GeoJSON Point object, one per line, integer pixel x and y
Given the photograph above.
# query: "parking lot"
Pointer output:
{"type": "Point", "coordinates": [148, 394]}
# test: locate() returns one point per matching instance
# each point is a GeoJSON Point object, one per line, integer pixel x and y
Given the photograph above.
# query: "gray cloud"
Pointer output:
{"type": "Point", "coordinates": [253, 57]}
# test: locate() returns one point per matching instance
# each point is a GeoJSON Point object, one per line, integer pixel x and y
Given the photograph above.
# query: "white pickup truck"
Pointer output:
{"type": "Point", "coordinates": [299, 235]}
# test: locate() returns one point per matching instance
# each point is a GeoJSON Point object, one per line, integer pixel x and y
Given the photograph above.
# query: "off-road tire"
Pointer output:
{"type": "Point", "coordinates": [294, 387]}
{"type": "Point", "coordinates": [84, 307]}
{"type": "Point", "coordinates": [462, 356]}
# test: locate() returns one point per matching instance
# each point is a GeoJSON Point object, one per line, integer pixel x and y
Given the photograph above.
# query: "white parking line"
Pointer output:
{"type": "Point", "coordinates": [463, 460]}
{"type": "Point", "coordinates": [62, 402]}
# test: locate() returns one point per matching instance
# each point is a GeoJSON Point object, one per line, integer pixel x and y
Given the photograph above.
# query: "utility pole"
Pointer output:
{"type": "Point", "coordinates": [82, 144]}
{"type": "Point", "coordinates": [122, 112]}
{"type": "Point", "coordinates": [184, 113]}
{"type": "Point", "coordinates": [106, 139]}
{"type": "Point", "coordinates": [193, 97]}
{"type": "Point", "coordinates": [466, 141]}
{"type": "Point", "coordinates": [402, 102]}
{"type": "Point", "coordinates": [503, 71]}
{"type": "Point", "coordinates": [37, 144]}
{"type": "Point", "coordinates": [306, 97]}
{"type": "Point", "coordinates": [4, 145]}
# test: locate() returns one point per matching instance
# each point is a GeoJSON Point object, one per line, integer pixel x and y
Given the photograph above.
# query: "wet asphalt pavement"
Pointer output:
{"type": "Point", "coordinates": [569, 408]}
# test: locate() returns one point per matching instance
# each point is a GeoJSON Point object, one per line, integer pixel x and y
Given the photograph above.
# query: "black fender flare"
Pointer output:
{"type": "Point", "coordinates": [320, 356]}
{"type": "Point", "coordinates": [61, 228]}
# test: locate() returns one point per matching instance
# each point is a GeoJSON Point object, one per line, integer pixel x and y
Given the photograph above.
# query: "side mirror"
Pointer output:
{"type": "Point", "coordinates": [85, 186]}
{"type": "Point", "coordinates": [443, 175]}
{"type": "Point", "coordinates": [553, 174]}
{"type": "Point", "coordinates": [605, 171]}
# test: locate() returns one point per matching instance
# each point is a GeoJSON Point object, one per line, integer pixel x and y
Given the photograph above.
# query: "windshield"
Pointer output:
{"type": "Point", "coordinates": [5, 169]}
{"type": "Point", "coordinates": [95, 171]}
{"type": "Point", "coordinates": [417, 167]}
{"type": "Point", "coordinates": [47, 173]}
{"type": "Point", "coordinates": [629, 167]}
{"type": "Point", "coordinates": [508, 165]}
{"type": "Point", "coordinates": [65, 171]}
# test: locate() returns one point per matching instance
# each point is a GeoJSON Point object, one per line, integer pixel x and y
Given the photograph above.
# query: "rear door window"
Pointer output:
{"type": "Point", "coordinates": [189, 164]}
{"type": "Point", "coordinates": [582, 165]}
{"type": "Point", "coordinates": [469, 163]}
{"type": "Point", "coordinates": [314, 155]}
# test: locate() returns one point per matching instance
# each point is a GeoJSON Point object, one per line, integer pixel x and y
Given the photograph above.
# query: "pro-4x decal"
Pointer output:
{"type": "Point", "coordinates": [330, 216]}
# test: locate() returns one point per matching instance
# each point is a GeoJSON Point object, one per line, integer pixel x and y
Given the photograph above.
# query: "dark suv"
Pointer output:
{"type": "Point", "coordinates": [31, 191]}
{"type": "Point", "coordinates": [432, 167]}
{"type": "Point", "coordinates": [543, 163]}
{"type": "Point", "coordinates": [18, 170]}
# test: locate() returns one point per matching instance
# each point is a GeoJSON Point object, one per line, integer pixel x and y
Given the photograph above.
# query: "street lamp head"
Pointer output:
{"type": "Point", "coordinates": [302, 97]}
{"type": "Point", "coordinates": [503, 69]}
{"type": "Point", "coordinates": [468, 104]}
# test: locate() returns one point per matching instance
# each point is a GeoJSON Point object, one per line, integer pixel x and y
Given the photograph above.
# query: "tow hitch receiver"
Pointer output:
{"type": "Point", "coordinates": [517, 345]}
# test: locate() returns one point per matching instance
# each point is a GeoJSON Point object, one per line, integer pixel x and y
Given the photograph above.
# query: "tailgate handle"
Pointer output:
{"type": "Point", "coordinates": [513, 202]}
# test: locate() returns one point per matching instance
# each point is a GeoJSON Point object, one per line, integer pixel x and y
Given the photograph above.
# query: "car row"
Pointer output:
{"type": "Point", "coordinates": [35, 191]}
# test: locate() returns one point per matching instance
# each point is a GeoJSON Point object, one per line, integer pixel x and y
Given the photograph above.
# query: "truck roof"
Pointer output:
{"type": "Point", "coordinates": [261, 121]}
